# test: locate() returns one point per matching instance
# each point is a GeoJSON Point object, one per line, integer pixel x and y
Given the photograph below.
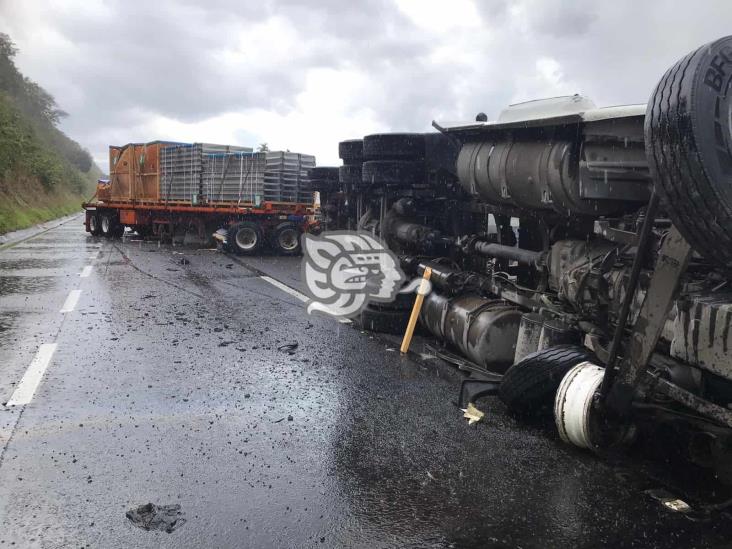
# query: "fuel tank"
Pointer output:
{"type": "Point", "coordinates": [484, 330]}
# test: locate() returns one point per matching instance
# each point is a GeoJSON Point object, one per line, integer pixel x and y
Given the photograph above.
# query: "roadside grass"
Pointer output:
{"type": "Point", "coordinates": [24, 203]}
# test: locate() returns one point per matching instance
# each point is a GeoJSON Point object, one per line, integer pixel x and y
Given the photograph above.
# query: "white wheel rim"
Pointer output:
{"type": "Point", "coordinates": [246, 238]}
{"type": "Point", "coordinates": [573, 403]}
{"type": "Point", "coordinates": [93, 223]}
{"type": "Point", "coordinates": [105, 224]}
{"type": "Point", "coordinates": [287, 239]}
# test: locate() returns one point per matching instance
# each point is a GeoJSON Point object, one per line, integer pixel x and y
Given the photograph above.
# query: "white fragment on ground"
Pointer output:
{"type": "Point", "coordinates": [472, 414]}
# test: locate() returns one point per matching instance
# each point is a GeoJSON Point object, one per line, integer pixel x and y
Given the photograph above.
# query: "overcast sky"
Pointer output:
{"type": "Point", "coordinates": [305, 75]}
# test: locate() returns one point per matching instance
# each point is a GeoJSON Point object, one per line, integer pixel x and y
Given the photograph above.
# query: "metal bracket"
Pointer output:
{"type": "Point", "coordinates": [673, 259]}
{"type": "Point", "coordinates": [603, 228]}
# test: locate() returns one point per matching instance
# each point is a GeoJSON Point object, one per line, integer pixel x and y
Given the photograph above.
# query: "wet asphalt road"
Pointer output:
{"type": "Point", "coordinates": [167, 386]}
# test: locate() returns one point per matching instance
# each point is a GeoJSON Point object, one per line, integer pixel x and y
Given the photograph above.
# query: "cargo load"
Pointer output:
{"type": "Point", "coordinates": [159, 187]}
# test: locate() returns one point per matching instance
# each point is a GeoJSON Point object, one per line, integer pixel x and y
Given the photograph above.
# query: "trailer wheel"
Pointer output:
{"type": "Point", "coordinates": [529, 386]}
{"type": "Point", "coordinates": [350, 176]}
{"type": "Point", "coordinates": [384, 320]}
{"type": "Point", "coordinates": [395, 146]}
{"type": "Point", "coordinates": [689, 147]}
{"type": "Point", "coordinates": [351, 151]}
{"type": "Point", "coordinates": [393, 172]}
{"type": "Point", "coordinates": [286, 239]}
{"type": "Point", "coordinates": [245, 238]}
{"type": "Point", "coordinates": [401, 302]}
{"type": "Point", "coordinates": [107, 224]}
{"type": "Point", "coordinates": [94, 225]}
{"type": "Point", "coordinates": [143, 231]}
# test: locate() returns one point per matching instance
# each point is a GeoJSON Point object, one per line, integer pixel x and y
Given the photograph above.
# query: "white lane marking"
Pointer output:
{"type": "Point", "coordinates": [27, 387]}
{"type": "Point", "coordinates": [71, 301]}
{"type": "Point", "coordinates": [86, 271]}
{"type": "Point", "coordinates": [293, 292]}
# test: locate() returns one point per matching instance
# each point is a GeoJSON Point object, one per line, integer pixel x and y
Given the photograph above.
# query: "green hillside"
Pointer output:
{"type": "Point", "coordinates": [43, 173]}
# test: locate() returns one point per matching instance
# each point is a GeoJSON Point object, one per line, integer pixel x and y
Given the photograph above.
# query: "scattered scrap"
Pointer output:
{"type": "Point", "coordinates": [472, 414]}
{"type": "Point", "coordinates": [164, 518]}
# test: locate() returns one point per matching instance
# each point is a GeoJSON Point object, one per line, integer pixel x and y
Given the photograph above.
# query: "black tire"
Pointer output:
{"type": "Point", "coordinates": [393, 172]}
{"type": "Point", "coordinates": [107, 223]}
{"type": "Point", "coordinates": [95, 227]}
{"type": "Point", "coordinates": [402, 302]}
{"type": "Point", "coordinates": [143, 231]}
{"type": "Point", "coordinates": [529, 386]}
{"type": "Point", "coordinates": [286, 239]}
{"type": "Point", "coordinates": [351, 151]}
{"type": "Point", "coordinates": [326, 173]}
{"type": "Point", "coordinates": [393, 146]}
{"type": "Point", "coordinates": [118, 230]}
{"type": "Point", "coordinates": [384, 321]}
{"type": "Point", "coordinates": [689, 147]}
{"type": "Point", "coordinates": [245, 238]}
{"type": "Point", "coordinates": [324, 185]}
{"type": "Point", "coordinates": [350, 175]}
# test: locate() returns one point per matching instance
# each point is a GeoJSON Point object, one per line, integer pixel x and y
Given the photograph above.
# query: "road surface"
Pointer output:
{"type": "Point", "coordinates": [139, 372]}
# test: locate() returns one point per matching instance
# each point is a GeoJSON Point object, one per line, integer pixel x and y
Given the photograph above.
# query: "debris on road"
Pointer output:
{"type": "Point", "coordinates": [669, 501]}
{"type": "Point", "coordinates": [164, 518]}
{"type": "Point", "coordinates": [472, 414]}
{"type": "Point", "coordinates": [288, 348]}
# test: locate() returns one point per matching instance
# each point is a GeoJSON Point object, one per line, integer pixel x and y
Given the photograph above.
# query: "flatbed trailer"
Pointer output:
{"type": "Point", "coordinates": [154, 193]}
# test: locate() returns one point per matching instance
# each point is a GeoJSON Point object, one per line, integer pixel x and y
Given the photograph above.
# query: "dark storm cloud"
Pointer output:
{"type": "Point", "coordinates": [118, 65]}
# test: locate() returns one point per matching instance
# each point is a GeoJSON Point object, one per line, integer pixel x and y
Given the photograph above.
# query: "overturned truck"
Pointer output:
{"type": "Point", "coordinates": [583, 253]}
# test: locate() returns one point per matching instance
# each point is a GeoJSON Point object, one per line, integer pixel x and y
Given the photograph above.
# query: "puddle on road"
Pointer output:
{"type": "Point", "coordinates": [163, 518]}
{"type": "Point", "coordinates": [7, 320]}
{"type": "Point", "coordinates": [27, 263]}
{"type": "Point", "coordinates": [25, 284]}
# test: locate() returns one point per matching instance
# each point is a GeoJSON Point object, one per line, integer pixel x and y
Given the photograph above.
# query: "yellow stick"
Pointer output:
{"type": "Point", "coordinates": [421, 292]}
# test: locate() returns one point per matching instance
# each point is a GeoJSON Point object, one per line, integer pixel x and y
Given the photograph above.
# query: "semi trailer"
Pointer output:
{"type": "Point", "coordinates": [582, 256]}
{"type": "Point", "coordinates": [246, 200]}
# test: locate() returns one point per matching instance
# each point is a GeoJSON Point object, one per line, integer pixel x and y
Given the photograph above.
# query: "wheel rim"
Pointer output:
{"type": "Point", "coordinates": [93, 223]}
{"type": "Point", "coordinates": [246, 238]}
{"type": "Point", "coordinates": [105, 224]}
{"type": "Point", "coordinates": [573, 403]}
{"type": "Point", "coordinates": [288, 240]}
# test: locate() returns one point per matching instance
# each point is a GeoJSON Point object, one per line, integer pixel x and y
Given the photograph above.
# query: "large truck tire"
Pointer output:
{"type": "Point", "coordinates": [324, 179]}
{"type": "Point", "coordinates": [386, 321]}
{"type": "Point", "coordinates": [393, 172]}
{"type": "Point", "coordinates": [286, 239]}
{"type": "Point", "coordinates": [350, 176]}
{"type": "Point", "coordinates": [245, 238]}
{"type": "Point", "coordinates": [528, 387]}
{"type": "Point", "coordinates": [394, 146]}
{"type": "Point", "coordinates": [107, 223]}
{"type": "Point", "coordinates": [95, 226]}
{"type": "Point", "coordinates": [351, 151]}
{"type": "Point", "coordinates": [689, 147]}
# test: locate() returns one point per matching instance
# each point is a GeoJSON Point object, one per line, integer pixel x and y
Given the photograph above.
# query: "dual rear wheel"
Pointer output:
{"type": "Point", "coordinates": [247, 238]}
{"type": "Point", "coordinates": [105, 224]}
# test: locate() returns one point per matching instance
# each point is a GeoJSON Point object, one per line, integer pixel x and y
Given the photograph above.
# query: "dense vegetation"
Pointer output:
{"type": "Point", "coordinates": [43, 173]}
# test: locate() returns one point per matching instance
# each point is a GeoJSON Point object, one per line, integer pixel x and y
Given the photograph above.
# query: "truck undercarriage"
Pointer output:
{"type": "Point", "coordinates": [583, 254]}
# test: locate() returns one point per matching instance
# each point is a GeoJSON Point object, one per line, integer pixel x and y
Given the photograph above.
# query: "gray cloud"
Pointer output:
{"type": "Point", "coordinates": [122, 67]}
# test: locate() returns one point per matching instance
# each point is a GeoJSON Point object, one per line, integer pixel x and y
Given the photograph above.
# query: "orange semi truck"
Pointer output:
{"type": "Point", "coordinates": [247, 200]}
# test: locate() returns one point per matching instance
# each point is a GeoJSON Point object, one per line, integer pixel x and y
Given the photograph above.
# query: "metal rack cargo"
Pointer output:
{"type": "Point", "coordinates": [245, 199]}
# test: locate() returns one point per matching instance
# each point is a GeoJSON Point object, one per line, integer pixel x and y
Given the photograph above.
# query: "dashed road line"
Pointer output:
{"type": "Point", "coordinates": [86, 271]}
{"type": "Point", "coordinates": [71, 301]}
{"type": "Point", "coordinates": [29, 383]}
{"type": "Point", "coordinates": [285, 288]}
{"type": "Point", "coordinates": [293, 292]}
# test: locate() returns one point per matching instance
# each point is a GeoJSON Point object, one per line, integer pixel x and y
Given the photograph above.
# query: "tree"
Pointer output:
{"type": "Point", "coordinates": [263, 148]}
